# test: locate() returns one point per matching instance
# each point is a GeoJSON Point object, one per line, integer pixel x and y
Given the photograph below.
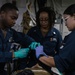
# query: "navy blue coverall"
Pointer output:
{"type": "Point", "coordinates": [51, 41]}
{"type": "Point", "coordinates": [65, 61]}
{"type": "Point", "coordinates": [6, 43]}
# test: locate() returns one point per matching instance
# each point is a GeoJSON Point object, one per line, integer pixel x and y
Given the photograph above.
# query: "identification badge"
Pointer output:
{"type": "Point", "coordinates": [53, 39]}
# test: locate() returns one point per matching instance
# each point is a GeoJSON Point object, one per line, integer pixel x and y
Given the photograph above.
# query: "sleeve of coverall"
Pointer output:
{"type": "Point", "coordinates": [5, 56]}
{"type": "Point", "coordinates": [23, 39]}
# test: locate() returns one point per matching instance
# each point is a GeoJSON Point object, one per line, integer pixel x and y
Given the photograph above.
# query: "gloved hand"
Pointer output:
{"type": "Point", "coordinates": [39, 51]}
{"type": "Point", "coordinates": [21, 53]}
{"type": "Point", "coordinates": [33, 45]}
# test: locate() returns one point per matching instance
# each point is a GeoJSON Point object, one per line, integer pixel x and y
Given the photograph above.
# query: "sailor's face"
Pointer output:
{"type": "Point", "coordinates": [9, 18]}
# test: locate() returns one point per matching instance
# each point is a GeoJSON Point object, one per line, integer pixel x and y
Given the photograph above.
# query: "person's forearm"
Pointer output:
{"type": "Point", "coordinates": [13, 55]}
{"type": "Point", "coordinates": [49, 61]}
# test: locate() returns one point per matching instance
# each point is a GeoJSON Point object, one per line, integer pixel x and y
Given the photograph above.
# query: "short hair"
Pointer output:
{"type": "Point", "coordinates": [70, 10]}
{"type": "Point", "coordinates": [8, 6]}
{"type": "Point", "coordinates": [51, 14]}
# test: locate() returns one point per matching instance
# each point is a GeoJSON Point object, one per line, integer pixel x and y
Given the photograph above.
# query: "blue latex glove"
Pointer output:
{"type": "Point", "coordinates": [39, 51]}
{"type": "Point", "coordinates": [21, 53]}
{"type": "Point", "coordinates": [33, 45]}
